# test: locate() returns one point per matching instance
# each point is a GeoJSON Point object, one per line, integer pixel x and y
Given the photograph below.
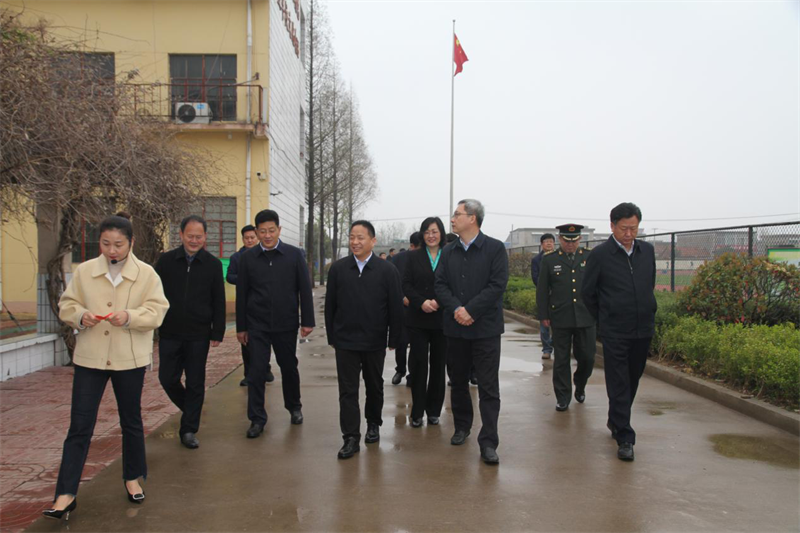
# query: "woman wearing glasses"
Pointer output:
{"type": "Point", "coordinates": [115, 301]}
{"type": "Point", "coordinates": [424, 325]}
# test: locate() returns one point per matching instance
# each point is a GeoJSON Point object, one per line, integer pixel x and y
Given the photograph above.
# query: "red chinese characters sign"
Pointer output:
{"type": "Point", "coordinates": [289, 23]}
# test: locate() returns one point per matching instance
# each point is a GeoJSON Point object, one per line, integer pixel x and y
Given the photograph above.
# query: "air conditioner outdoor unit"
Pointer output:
{"type": "Point", "coordinates": [192, 113]}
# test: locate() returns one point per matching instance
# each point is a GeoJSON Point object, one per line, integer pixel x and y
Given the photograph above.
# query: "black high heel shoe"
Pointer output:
{"type": "Point", "coordinates": [134, 498]}
{"type": "Point", "coordinates": [64, 513]}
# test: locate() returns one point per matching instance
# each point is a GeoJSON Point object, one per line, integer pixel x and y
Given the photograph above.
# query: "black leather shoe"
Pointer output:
{"type": "Point", "coordinates": [297, 417]}
{"type": "Point", "coordinates": [408, 380]}
{"type": "Point", "coordinates": [64, 513]}
{"type": "Point", "coordinates": [190, 441]}
{"type": "Point", "coordinates": [349, 449]}
{"type": "Point", "coordinates": [580, 395]}
{"type": "Point", "coordinates": [562, 406]}
{"type": "Point", "coordinates": [473, 380]}
{"type": "Point", "coordinates": [255, 430]}
{"type": "Point", "coordinates": [625, 451]}
{"type": "Point", "coordinates": [373, 433]}
{"type": "Point", "coordinates": [611, 428]}
{"type": "Point", "coordinates": [489, 456]}
{"type": "Point", "coordinates": [433, 420]}
{"type": "Point", "coordinates": [396, 378]}
{"type": "Point", "coordinates": [459, 437]}
{"type": "Point", "coordinates": [133, 498]}
{"type": "Point", "coordinates": [243, 383]}
{"type": "Point", "coordinates": [270, 376]}
{"type": "Point", "coordinates": [416, 422]}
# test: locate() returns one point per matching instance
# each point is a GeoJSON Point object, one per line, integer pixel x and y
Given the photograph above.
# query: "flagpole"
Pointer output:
{"type": "Point", "coordinates": [452, 113]}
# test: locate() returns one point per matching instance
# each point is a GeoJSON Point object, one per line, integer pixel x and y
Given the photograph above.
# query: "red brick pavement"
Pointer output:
{"type": "Point", "coordinates": [34, 419]}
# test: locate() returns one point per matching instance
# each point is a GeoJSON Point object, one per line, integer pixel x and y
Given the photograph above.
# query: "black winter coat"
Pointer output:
{"type": "Point", "coordinates": [618, 290]}
{"type": "Point", "coordinates": [196, 295]}
{"type": "Point", "coordinates": [418, 286]}
{"type": "Point", "coordinates": [361, 306]}
{"type": "Point", "coordinates": [475, 279]}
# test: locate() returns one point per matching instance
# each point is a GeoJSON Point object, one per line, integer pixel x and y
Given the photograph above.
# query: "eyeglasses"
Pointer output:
{"type": "Point", "coordinates": [431, 233]}
{"type": "Point", "coordinates": [457, 214]}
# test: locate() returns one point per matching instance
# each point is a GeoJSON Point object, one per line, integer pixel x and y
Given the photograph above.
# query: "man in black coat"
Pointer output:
{"type": "Point", "coordinates": [250, 239]}
{"type": "Point", "coordinates": [192, 280]}
{"type": "Point", "coordinates": [618, 290]}
{"type": "Point", "coordinates": [470, 283]}
{"type": "Point", "coordinates": [547, 243]}
{"type": "Point", "coordinates": [273, 282]}
{"type": "Point", "coordinates": [401, 352]}
{"type": "Point", "coordinates": [363, 305]}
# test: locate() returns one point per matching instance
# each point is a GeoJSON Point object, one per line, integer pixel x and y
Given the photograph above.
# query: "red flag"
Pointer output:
{"type": "Point", "coordinates": [459, 56]}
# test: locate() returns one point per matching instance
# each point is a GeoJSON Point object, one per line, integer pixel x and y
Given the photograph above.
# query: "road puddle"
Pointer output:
{"type": "Point", "coordinates": [512, 364]}
{"type": "Point", "coordinates": [777, 452]}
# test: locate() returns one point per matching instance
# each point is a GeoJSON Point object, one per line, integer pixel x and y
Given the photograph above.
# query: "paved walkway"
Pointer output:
{"type": "Point", "coordinates": [34, 419]}
{"type": "Point", "coordinates": [699, 466]}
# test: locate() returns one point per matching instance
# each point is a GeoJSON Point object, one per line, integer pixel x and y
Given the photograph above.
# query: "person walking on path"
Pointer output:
{"type": "Point", "coordinates": [250, 239]}
{"type": "Point", "coordinates": [547, 242]}
{"type": "Point", "coordinates": [424, 325]}
{"type": "Point", "coordinates": [193, 284]}
{"type": "Point", "coordinates": [402, 362]}
{"type": "Point", "coordinates": [618, 290]}
{"type": "Point", "coordinates": [470, 283]}
{"type": "Point", "coordinates": [273, 283]}
{"type": "Point", "coordinates": [363, 307]}
{"type": "Point", "coordinates": [116, 302]}
{"type": "Point", "coordinates": [558, 298]}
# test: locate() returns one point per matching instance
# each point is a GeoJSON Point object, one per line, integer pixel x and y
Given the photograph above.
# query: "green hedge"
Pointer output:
{"type": "Point", "coordinates": [761, 359]}
{"type": "Point", "coordinates": [523, 301]}
{"type": "Point", "coordinates": [515, 284]}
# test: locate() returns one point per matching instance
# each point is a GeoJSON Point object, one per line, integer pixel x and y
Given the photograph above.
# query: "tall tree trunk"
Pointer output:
{"type": "Point", "coordinates": [311, 149]}
{"type": "Point", "coordinates": [335, 185]}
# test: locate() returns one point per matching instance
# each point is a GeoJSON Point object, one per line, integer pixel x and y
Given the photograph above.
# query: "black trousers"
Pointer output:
{"type": "Point", "coordinates": [401, 353]}
{"type": "Point", "coordinates": [485, 355]}
{"type": "Point", "coordinates": [624, 362]}
{"type": "Point", "coordinates": [261, 344]}
{"type": "Point", "coordinates": [581, 342]}
{"type": "Point", "coordinates": [349, 367]}
{"type": "Point", "coordinates": [177, 357]}
{"type": "Point", "coordinates": [246, 359]}
{"type": "Point", "coordinates": [428, 348]}
{"type": "Point", "coordinates": [88, 385]}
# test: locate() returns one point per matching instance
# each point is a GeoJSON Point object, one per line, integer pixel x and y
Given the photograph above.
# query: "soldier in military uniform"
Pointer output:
{"type": "Point", "coordinates": [558, 298]}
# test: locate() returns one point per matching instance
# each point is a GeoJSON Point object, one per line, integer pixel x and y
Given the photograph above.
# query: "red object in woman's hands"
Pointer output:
{"type": "Point", "coordinates": [98, 317]}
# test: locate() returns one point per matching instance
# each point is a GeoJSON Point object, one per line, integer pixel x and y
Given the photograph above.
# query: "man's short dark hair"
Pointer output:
{"type": "Point", "coordinates": [402, 250]}
{"type": "Point", "coordinates": [625, 210]}
{"type": "Point", "coordinates": [391, 250]}
{"type": "Point", "coordinates": [194, 218]}
{"type": "Point", "coordinates": [415, 239]}
{"type": "Point", "coordinates": [367, 224]}
{"type": "Point", "coordinates": [451, 237]}
{"type": "Point", "coordinates": [546, 236]}
{"type": "Point", "coordinates": [247, 228]}
{"type": "Point", "coordinates": [268, 215]}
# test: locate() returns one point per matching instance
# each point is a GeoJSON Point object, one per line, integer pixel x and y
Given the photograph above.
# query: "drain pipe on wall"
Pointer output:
{"type": "Point", "coordinates": [247, 183]}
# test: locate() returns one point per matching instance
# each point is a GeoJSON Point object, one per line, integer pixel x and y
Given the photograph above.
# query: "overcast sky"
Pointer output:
{"type": "Point", "coordinates": [564, 109]}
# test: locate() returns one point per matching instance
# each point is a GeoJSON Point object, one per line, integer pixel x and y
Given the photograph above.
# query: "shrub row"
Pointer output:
{"type": "Point", "coordinates": [762, 359]}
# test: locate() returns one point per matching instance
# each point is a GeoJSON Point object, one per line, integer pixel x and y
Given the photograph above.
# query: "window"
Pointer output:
{"type": "Point", "coordinates": [205, 78]}
{"type": "Point", "coordinates": [89, 245]}
{"type": "Point", "coordinates": [95, 72]}
{"type": "Point", "coordinates": [220, 216]}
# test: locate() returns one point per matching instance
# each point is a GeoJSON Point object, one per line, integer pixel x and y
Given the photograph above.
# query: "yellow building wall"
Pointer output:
{"type": "Point", "coordinates": [142, 34]}
{"type": "Point", "coordinates": [19, 264]}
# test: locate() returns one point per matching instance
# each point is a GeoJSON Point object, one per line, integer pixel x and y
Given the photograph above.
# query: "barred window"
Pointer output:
{"type": "Point", "coordinates": [220, 215]}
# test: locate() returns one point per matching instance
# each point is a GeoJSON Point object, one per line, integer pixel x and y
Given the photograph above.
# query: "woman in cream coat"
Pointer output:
{"type": "Point", "coordinates": [115, 301]}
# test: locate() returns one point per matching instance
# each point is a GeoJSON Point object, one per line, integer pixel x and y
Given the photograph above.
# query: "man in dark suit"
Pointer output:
{"type": "Point", "coordinates": [250, 239]}
{"type": "Point", "coordinates": [400, 354]}
{"type": "Point", "coordinates": [273, 282]}
{"type": "Point", "coordinates": [470, 283]}
{"type": "Point", "coordinates": [618, 290]}
{"type": "Point", "coordinates": [363, 307]}
{"type": "Point", "coordinates": [547, 244]}
{"type": "Point", "coordinates": [558, 298]}
{"type": "Point", "coordinates": [192, 280]}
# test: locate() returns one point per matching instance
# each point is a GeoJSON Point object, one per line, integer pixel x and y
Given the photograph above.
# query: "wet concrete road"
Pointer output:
{"type": "Point", "coordinates": [699, 466]}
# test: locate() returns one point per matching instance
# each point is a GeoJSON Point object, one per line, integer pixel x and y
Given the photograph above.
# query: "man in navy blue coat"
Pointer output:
{"type": "Point", "coordinates": [618, 289]}
{"type": "Point", "coordinates": [273, 281]}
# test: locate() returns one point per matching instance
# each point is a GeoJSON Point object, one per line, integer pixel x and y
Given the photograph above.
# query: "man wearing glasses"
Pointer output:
{"type": "Point", "coordinates": [618, 291]}
{"type": "Point", "coordinates": [273, 282]}
{"type": "Point", "coordinates": [469, 286]}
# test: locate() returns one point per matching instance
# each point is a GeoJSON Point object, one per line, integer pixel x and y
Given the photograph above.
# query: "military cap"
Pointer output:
{"type": "Point", "coordinates": [570, 232]}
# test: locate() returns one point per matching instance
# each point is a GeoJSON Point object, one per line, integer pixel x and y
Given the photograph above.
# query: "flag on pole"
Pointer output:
{"type": "Point", "coordinates": [459, 56]}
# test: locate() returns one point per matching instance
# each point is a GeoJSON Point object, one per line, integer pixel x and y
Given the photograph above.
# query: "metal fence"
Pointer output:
{"type": "Point", "coordinates": [680, 254]}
